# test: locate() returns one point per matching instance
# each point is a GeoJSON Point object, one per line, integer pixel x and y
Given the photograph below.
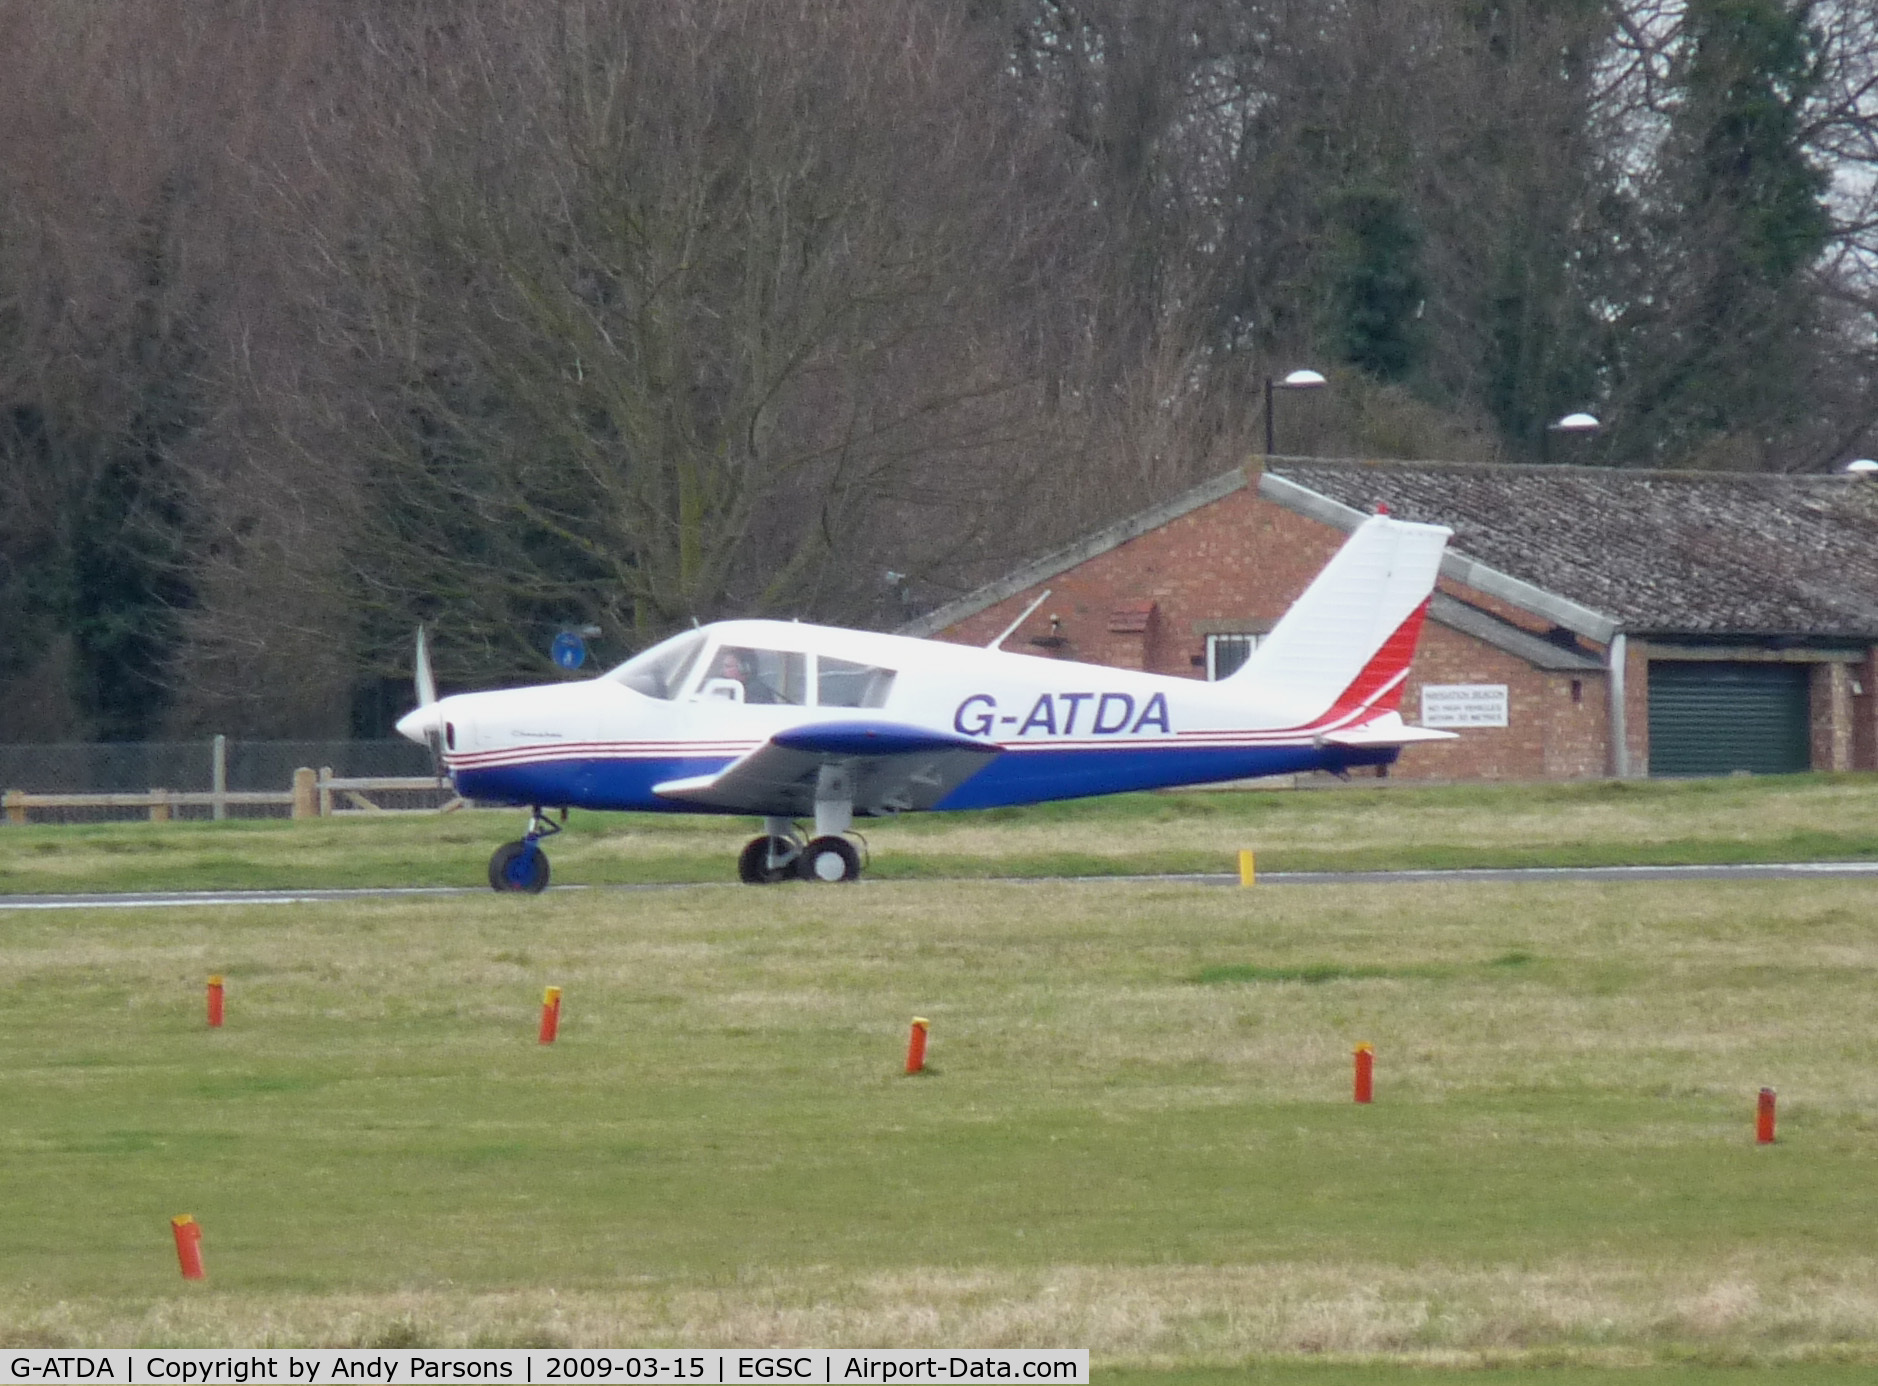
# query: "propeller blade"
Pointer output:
{"type": "Point", "coordinates": [426, 683]}
{"type": "Point", "coordinates": [426, 695]}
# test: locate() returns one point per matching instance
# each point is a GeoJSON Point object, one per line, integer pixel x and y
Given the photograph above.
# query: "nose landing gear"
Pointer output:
{"type": "Point", "coordinates": [523, 866]}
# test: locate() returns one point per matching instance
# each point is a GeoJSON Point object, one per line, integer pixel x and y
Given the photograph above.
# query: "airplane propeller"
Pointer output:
{"type": "Point", "coordinates": [427, 695]}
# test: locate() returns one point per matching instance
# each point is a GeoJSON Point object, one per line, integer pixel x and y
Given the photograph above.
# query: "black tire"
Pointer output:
{"type": "Point", "coordinates": [753, 866]}
{"type": "Point", "coordinates": [519, 866]}
{"type": "Point", "coordinates": [829, 859]}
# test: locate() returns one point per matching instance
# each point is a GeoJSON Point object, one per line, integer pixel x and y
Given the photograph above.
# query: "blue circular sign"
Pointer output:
{"type": "Point", "coordinates": [569, 650]}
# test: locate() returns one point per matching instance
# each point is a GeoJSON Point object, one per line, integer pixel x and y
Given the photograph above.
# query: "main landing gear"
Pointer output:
{"type": "Point", "coordinates": [523, 865]}
{"type": "Point", "coordinates": [780, 854]}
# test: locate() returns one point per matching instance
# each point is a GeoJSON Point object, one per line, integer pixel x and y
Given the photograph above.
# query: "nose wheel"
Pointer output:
{"type": "Point", "coordinates": [522, 866]}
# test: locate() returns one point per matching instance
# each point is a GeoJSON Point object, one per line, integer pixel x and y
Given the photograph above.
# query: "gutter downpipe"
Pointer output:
{"type": "Point", "coordinates": [1617, 656]}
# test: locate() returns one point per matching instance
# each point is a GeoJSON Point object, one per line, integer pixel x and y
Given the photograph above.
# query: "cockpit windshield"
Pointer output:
{"type": "Point", "coordinates": [661, 671]}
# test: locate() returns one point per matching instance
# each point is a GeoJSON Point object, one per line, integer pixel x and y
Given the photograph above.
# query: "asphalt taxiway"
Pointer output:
{"type": "Point", "coordinates": [1760, 871]}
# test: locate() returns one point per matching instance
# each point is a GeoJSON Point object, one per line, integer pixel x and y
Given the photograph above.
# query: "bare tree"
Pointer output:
{"type": "Point", "coordinates": [684, 310]}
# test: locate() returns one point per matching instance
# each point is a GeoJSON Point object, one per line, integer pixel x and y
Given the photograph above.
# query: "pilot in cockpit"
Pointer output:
{"type": "Point", "coordinates": [737, 666]}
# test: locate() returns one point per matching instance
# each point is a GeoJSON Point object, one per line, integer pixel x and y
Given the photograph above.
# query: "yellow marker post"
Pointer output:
{"type": "Point", "coordinates": [1247, 875]}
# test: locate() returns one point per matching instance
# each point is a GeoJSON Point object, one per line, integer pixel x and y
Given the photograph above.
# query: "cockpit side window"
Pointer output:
{"type": "Point", "coordinates": [843, 683]}
{"type": "Point", "coordinates": [766, 676]}
{"type": "Point", "coordinates": [662, 671]}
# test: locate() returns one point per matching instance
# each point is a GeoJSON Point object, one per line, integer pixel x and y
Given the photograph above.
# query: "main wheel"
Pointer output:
{"type": "Point", "coordinates": [829, 859]}
{"type": "Point", "coordinates": [519, 866]}
{"type": "Point", "coordinates": [753, 862]}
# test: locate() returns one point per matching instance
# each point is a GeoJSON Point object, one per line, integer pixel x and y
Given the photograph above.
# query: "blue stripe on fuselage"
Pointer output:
{"type": "Point", "coordinates": [1017, 777]}
{"type": "Point", "coordinates": [587, 783]}
{"type": "Point", "coordinates": [1030, 777]}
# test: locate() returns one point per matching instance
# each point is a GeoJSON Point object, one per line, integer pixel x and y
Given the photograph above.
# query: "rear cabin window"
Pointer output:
{"type": "Point", "coordinates": [662, 671]}
{"type": "Point", "coordinates": [842, 683]}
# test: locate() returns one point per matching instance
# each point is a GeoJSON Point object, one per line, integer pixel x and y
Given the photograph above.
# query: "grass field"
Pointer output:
{"type": "Point", "coordinates": [1136, 1135]}
{"type": "Point", "coordinates": [1798, 818]}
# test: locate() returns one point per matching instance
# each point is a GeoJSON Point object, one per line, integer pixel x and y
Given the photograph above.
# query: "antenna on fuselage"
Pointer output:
{"type": "Point", "coordinates": [1042, 597]}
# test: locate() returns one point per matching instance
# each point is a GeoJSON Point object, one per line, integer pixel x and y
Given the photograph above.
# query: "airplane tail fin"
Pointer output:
{"type": "Point", "coordinates": [1342, 651]}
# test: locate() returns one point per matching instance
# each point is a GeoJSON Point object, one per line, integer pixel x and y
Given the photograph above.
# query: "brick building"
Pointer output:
{"type": "Point", "coordinates": [1587, 622]}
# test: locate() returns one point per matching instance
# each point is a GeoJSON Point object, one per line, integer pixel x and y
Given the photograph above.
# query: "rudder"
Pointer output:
{"type": "Point", "coordinates": [1345, 644]}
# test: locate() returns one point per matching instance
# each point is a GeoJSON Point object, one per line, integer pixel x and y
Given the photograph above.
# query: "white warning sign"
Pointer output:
{"type": "Point", "coordinates": [1464, 705]}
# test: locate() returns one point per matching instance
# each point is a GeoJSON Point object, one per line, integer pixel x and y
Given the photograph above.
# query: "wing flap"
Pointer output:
{"type": "Point", "coordinates": [894, 767]}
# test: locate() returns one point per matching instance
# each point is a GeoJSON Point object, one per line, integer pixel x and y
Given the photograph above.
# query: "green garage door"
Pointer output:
{"type": "Point", "coordinates": [1714, 718]}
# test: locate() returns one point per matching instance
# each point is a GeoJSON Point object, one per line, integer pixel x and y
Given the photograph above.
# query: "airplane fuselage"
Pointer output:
{"type": "Point", "coordinates": [1065, 729]}
{"type": "Point", "coordinates": [797, 723]}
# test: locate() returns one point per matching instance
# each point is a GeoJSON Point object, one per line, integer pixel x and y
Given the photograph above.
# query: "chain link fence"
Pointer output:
{"type": "Point", "coordinates": [135, 768]}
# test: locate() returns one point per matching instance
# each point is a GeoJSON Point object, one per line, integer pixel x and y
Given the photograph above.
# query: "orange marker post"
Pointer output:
{"type": "Point", "coordinates": [916, 1046]}
{"type": "Point", "coordinates": [215, 1003]}
{"type": "Point", "coordinates": [550, 1014]}
{"type": "Point", "coordinates": [1365, 1072]}
{"type": "Point", "coordinates": [1764, 1118]}
{"type": "Point", "coordinates": [188, 1246]}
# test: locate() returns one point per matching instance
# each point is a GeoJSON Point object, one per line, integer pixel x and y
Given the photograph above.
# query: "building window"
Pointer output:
{"type": "Point", "coordinates": [1225, 653]}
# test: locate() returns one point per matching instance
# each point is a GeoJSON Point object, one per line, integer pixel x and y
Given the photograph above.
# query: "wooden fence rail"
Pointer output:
{"type": "Point", "coordinates": [314, 795]}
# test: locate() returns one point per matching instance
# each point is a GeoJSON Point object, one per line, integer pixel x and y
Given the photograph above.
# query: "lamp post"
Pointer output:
{"type": "Point", "coordinates": [1578, 424]}
{"type": "Point", "coordinates": [1297, 380]}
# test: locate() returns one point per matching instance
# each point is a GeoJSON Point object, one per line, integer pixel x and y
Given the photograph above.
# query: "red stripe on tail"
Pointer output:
{"type": "Point", "coordinates": [1378, 688]}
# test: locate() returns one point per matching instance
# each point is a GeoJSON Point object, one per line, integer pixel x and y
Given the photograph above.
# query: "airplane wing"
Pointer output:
{"type": "Point", "coordinates": [894, 768]}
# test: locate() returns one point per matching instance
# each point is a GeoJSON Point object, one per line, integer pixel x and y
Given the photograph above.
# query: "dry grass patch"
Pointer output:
{"type": "Point", "coordinates": [1603, 1313]}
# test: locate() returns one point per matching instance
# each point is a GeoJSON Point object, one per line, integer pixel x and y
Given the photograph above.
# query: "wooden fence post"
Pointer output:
{"type": "Point", "coordinates": [159, 806]}
{"type": "Point", "coordinates": [15, 801]}
{"type": "Point", "coordinates": [304, 803]}
{"type": "Point", "coordinates": [218, 777]}
{"type": "Point", "coordinates": [326, 791]}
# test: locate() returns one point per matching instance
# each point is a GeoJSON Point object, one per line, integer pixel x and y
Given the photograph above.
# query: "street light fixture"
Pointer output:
{"type": "Point", "coordinates": [1297, 380]}
{"type": "Point", "coordinates": [1579, 424]}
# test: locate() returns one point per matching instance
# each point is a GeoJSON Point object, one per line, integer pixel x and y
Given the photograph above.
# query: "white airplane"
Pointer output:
{"type": "Point", "coordinates": [794, 722]}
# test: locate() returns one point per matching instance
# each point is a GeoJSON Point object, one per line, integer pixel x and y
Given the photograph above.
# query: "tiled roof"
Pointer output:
{"type": "Point", "coordinates": [1689, 553]}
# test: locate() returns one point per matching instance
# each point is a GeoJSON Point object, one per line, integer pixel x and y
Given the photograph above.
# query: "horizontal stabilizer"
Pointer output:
{"type": "Point", "coordinates": [1384, 731]}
